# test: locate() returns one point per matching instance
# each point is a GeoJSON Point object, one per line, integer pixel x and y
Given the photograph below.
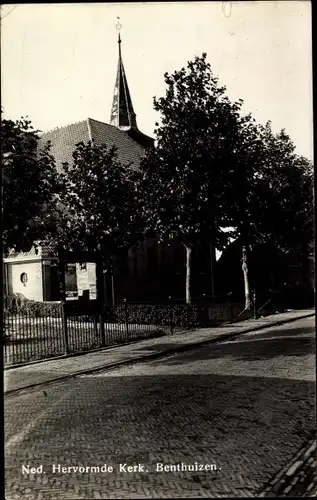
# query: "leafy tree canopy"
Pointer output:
{"type": "Point", "coordinates": [194, 165]}
{"type": "Point", "coordinates": [278, 207]}
{"type": "Point", "coordinates": [213, 168]}
{"type": "Point", "coordinates": [100, 201]}
{"type": "Point", "coordinates": [29, 182]}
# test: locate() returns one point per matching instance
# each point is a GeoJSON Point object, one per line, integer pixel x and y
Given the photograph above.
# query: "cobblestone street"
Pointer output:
{"type": "Point", "coordinates": [244, 408]}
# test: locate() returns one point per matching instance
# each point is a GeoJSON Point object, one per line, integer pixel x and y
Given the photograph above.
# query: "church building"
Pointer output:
{"type": "Point", "coordinates": [153, 271]}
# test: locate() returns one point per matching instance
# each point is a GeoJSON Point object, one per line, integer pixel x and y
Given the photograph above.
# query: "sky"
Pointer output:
{"type": "Point", "coordinates": [59, 61]}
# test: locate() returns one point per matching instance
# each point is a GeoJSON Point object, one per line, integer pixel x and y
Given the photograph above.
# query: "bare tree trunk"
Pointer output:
{"type": "Point", "coordinates": [246, 279]}
{"type": "Point", "coordinates": [188, 273]}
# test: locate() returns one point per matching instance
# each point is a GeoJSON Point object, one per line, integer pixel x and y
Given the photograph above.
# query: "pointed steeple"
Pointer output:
{"type": "Point", "coordinates": [122, 112]}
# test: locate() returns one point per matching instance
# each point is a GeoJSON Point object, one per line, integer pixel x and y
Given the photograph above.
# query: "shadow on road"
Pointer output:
{"type": "Point", "coordinates": [256, 347]}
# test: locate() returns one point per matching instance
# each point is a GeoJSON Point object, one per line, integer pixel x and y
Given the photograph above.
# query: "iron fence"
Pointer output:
{"type": "Point", "coordinates": [30, 338]}
{"type": "Point", "coordinates": [33, 333]}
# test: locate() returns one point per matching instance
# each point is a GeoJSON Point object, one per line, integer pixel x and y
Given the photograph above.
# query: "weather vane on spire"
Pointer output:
{"type": "Point", "coordinates": [118, 28]}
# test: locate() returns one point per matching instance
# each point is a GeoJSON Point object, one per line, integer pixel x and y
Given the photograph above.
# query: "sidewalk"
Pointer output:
{"type": "Point", "coordinates": [40, 373]}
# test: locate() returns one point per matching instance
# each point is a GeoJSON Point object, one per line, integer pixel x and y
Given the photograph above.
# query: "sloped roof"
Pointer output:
{"type": "Point", "coordinates": [130, 145]}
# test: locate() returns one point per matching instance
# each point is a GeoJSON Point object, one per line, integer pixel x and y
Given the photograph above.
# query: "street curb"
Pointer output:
{"type": "Point", "coordinates": [157, 355]}
{"type": "Point", "coordinates": [279, 482]}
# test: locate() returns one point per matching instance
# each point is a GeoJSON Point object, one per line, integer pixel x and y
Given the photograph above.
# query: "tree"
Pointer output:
{"type": "Point", "coordinates": [277, 209]}
{"type": "Point", "coordinates": [284, 191]}
{"type": "Point", "coordinates": [99, 198]}
{"type": "Point", "coordinates": [213, 168]}
{"type": "Point", "coordinates": [29, 183]}
{"type": "Point", "coordinates": [185, 176]}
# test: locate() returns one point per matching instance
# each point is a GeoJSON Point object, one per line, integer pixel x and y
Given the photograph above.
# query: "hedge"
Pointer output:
{"type": "Point", "coordinates": [176, 314]}
{"type": "Point", "coordinates": [14, 304]}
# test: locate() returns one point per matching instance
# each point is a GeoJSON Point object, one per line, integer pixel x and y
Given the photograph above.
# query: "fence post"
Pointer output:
{"type": "Point", "coordinates": [255, 314]}
{"type": "Point", "coordinates": [62, 290]}
{"type": "Point", "coordinates": [171, 316]}
{"type": "Point", "coordinates": [96, 325]}
{"type": "Point", "coordinates": [231, 305]}
{"type": "Point", "coordinates": [126, 317]}
{"type": "Point", "coordinates": [101, 298]}
{"type": "Point", "coordinates": [102, 327]}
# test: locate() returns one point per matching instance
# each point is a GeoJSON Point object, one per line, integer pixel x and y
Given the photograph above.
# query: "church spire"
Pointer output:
{"type": "Point", "coordinates": [122, 112]}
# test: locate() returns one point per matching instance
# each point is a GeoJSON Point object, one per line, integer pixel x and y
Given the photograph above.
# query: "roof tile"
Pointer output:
{"type": "Point", "coordinates": [63, 141]}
